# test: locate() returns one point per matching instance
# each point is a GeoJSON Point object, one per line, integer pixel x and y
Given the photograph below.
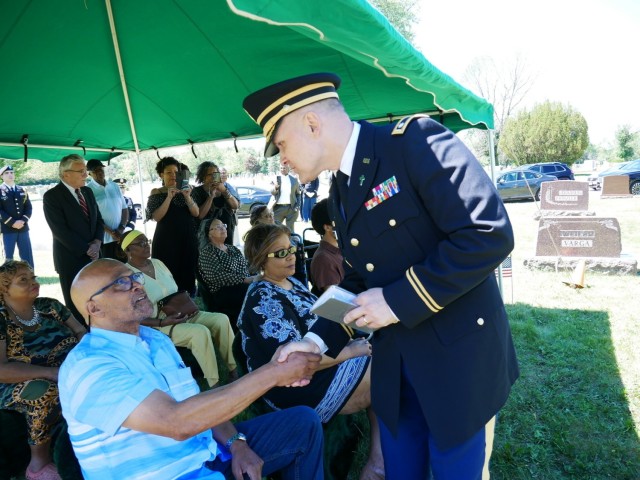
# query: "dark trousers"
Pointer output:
{"type": "Point", "coordinates": [67, 274]}
{"type": "Point", "coordinates": [112, 250]}
{"type": "Point", "coordinates": [24, 246]}
{"type": "Point", "coordinates": [285, 213]}
{"type": "Point", "coordinates": [413, 454]}
{"type": "Point", "coordinates": [307, 206]}
{"type": "Point", "coordinates": [290, 441]}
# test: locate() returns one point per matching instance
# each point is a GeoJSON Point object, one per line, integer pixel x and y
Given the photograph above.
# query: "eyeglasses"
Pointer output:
{"type": "Point", "coordinates": [221, 226]}
{"type": "Point", "coordinates": [284, 253]}
{"type": "Point", "coordinates": [143, 244]}
{"type": "Point", "coordinates": [83, 171]}
{"type": "Point", "coordinates": [122, 284]}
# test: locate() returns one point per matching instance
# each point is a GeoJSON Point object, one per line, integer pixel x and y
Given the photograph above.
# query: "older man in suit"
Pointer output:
{"type": "Point", "coordinates": [73, 216]}
{"type": "Point", "coordinates": [421, 228]}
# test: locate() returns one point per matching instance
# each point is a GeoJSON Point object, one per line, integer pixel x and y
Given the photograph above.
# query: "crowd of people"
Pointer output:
{"type": "Point", "coordinates": [431, 377]}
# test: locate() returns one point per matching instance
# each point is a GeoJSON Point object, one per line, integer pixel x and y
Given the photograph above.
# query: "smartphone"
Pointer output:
{"type": "Point", "coordinates": [216, 177]}
{"type": "Point", "coordinates": [182, 180]}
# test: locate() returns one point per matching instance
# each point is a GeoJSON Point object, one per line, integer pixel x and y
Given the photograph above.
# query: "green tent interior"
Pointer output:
{"type": "Point", "coordinates": [117, 76]}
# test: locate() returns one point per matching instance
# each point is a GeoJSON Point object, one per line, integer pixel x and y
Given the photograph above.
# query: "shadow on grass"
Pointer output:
{"type": "Point", "coordinates": [567, 416]}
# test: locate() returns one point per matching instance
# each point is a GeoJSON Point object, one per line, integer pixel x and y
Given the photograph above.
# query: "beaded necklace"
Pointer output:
{"type": "Point", "coordinates": [27, 323]}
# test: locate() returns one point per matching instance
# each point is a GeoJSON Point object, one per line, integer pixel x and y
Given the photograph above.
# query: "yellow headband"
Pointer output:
{"type": "Point", "coordinates": [130, 237]}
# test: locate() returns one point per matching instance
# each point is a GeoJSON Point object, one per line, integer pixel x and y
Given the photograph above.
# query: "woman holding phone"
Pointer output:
{"type": "Point", "coordinates": [174, 241]}
{"type": "Point", "coordinates": [214, 199]}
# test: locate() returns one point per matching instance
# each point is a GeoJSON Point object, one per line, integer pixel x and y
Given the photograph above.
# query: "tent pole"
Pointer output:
{"type": "Point", "coordinates": [142, 202]}
{"type": "Point", "coordinates": [492, 162]}
{"type": "Point", "coordinates": [123, 82]}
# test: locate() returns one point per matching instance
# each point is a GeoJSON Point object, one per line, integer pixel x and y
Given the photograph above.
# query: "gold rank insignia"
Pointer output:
{"type": "Point", "coordinates": [404, 122]}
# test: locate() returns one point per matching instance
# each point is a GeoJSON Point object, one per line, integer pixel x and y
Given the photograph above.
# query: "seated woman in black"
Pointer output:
{"type": "Point", "coordinates": [275, 312]}
{"type": "Point", "coordinates": [224, 271]}
{"type": "Point", "coordinates": [261, 214]}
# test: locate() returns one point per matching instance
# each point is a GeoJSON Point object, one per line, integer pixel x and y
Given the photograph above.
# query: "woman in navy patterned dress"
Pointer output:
{"type": "Point", "coordinates": [276, 311]}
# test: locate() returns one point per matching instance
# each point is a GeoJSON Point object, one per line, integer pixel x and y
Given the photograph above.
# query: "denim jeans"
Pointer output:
{"type": "Point", "coordinates": [289, 441]}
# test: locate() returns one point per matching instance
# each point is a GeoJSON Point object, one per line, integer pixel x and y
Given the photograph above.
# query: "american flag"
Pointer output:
{"type": "Point", "coordinates": [506, 268]}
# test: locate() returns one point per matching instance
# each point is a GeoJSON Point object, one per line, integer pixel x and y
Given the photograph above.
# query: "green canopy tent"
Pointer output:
{"type": "Point", "coordinates": [103, 77]}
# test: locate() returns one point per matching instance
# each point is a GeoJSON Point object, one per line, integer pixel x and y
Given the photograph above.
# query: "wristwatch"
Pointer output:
{"type": "Point", "coordinates": [237, 436]}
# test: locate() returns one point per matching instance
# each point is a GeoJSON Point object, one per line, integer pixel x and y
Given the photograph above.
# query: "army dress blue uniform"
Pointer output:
{"type": "Point", "coordinates": [418, 218]}
{"type": "Point", "coordinates": [15, 205]}
{"type": "Point", "coordinates": [424, 223]}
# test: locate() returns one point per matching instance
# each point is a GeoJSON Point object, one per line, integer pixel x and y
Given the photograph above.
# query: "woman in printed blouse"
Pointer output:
{"type": "Point", "coordinates": [174, 241]}
{"type": "Point", "coordinates": [276, 311]}
{"type": "Point", "coordinates": [36, 334]}
{"type": "Point", "coordinates": [224, 270]}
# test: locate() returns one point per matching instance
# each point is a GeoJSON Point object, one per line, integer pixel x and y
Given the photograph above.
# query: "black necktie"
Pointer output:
{"type": "Point", "coordinates": [342, 182]}
{"type": "Point", "coordinates": [83, 203]}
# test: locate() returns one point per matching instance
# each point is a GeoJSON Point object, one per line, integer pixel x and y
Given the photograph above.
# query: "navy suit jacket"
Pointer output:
{"type": "Point", "coordinates": [72, 230]}
{"type": "Point", "coordinates": [432, 247]}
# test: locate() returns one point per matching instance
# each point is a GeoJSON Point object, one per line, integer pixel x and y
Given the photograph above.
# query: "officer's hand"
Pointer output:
{"type": "Point", "coordinates": [372, 310]}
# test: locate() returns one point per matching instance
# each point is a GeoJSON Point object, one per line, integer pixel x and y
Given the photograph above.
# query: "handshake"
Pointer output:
{"type": "Point", "coordinates": [296, 362]}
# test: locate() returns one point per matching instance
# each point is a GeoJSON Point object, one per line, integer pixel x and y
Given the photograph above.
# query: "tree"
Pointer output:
{"type": "Point", "coordinates": [503, 85]}
{"type": "Point", "coordinates": [550, 132]}
{"type": "Point", "coordinates": [625, 143]}
{"type": "Point", "coordinates": [402, 14]}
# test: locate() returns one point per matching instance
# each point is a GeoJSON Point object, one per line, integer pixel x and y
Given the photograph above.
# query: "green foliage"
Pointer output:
{"type": "Point", "coordinates": [550, 132]}
{"type": "Point", "coordinates": [626, 143]}
{"type": "Point", "coordinates": [402, 14]}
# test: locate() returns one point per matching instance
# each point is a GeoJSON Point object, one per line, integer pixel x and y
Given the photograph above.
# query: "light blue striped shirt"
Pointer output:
{"type": "Point", "coordinates": [102, 381]}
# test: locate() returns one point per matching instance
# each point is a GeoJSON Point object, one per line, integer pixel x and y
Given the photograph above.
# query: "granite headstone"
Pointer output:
{"type": "Point", "coordinates": [615, 186]}
{"type": "Point", "coordinates": [579, 237]}
{"type": "Point", "coordinates": [564, 195]}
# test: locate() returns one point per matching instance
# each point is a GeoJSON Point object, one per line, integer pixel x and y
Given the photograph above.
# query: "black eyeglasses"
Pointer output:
{"type": "Point", "coordinates": [122, 284]}
{"type": "Point", "coordinates": [283, 253]}
{"type": "Point", "coordinates": [140, 244]}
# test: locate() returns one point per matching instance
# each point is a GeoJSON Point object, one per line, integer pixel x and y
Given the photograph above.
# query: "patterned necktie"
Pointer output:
{"type": "Point", "coordinates": [83, 203]}
{"type": "Point", "coordinates": [342, 182]}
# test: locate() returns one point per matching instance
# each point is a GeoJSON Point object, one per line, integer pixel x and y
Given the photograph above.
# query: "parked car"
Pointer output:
{"type": "Point", "coordinates": [521, 184]}
{"type": "Point", "coordinates": [556, 169]}
{"type": "Point", "coordinates": [631, 168]}
{"type": "Point", "coordinates": [250, 196]}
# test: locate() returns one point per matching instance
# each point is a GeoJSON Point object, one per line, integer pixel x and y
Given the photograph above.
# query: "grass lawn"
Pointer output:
{"type": "Point", "coordinates": [575, 411]}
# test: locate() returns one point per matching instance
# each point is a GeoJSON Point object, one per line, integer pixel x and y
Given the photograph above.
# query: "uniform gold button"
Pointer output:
{"type": "Point", "coordinates": [392, 222]}
{"type": "Point", "coordinates": [355, 242]}
{"type": "Point", "coordinates": [480, 321]}
{"type": "Point", "coordinates": [370, 267]}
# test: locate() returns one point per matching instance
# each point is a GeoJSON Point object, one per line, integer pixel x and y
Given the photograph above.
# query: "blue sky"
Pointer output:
{"type": "Point", "coordinates": [581, 52]}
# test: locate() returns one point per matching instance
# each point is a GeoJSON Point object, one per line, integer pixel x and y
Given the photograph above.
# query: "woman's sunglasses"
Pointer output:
{"type": "Point", "coordinates": [284, 253]}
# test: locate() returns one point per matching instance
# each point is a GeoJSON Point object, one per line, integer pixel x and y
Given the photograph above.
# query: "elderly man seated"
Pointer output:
{"type": "Point", "coordinates": [135, 412]}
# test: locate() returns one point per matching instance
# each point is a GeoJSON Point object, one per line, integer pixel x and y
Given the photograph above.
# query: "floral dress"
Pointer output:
{"type": "Point", "coordinates": [272, 316]}
{"type": "Point", "coordinates": [47, 345]}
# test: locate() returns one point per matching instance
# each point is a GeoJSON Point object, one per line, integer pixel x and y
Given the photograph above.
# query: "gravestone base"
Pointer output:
{"type": "Point", "coordinates": [617, 195]}
{"type": "Point", "coordinates": [623, 265]}
{"type": "Point", "coordinates": [563, 213]}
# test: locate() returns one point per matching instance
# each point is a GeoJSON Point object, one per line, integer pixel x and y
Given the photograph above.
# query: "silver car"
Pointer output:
{"type": "Point", "coordinates": [521, 184]}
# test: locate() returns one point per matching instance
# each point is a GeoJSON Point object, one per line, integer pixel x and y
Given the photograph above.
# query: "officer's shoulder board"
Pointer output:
{"type": "Point", "coordinates": [404, 122]}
